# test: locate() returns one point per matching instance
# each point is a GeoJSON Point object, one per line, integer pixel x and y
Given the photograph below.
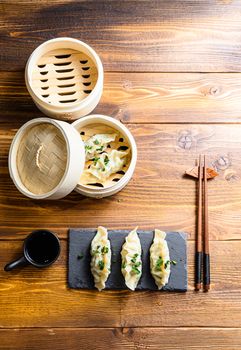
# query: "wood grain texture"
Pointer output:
{"type": "Point", "coordinates": [144, 98]}
{"type": "Point", "coordinates": [173, 117]}
{"type": "Point", "coordinates": [43, 298]}
{"type": "Point", "coordinates": [132, 35]}
{"type": "Point", "coordinates": [158, 195]}
{"type": "Point", "coordinates": [121, 339]}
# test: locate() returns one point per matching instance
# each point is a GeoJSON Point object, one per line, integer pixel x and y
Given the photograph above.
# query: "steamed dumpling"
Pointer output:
{"type": "Point", "coordinates": [100, 258]}
{"type": "Point", "coordinates": [97, 144]}
{"type": "Point", "coordinates": [107, 163]}
{"type": "Point", "coordinates": [131, 267]}
{"type": "Point", "coordinates": [160, 259]}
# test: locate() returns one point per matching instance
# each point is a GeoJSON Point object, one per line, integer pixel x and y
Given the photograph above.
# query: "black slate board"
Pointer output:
{"type": "Point", "coordinates": [79, 274]}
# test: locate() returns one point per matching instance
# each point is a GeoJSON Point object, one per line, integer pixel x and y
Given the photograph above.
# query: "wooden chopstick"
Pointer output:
{"type": "Point", "coordinates": [206, 256]}
{"type": "Point", "coordinates": [198, 255]}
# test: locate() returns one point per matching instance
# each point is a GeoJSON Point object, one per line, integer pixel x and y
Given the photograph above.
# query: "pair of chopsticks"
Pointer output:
{"type": "Point", "coordinates": [202, 242]}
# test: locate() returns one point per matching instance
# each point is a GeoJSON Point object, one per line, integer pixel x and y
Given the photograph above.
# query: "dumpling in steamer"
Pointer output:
{"type": "Point", "coordinates": [107, 164]}
{"type": "Point", "coordinates": [100, 258]}
{"type": "Point", "coordinates": [160, 259]}
{"type": "Point", "coordinates": [131, 267]}
{"type": "Point", "coordinates": [97, 144]}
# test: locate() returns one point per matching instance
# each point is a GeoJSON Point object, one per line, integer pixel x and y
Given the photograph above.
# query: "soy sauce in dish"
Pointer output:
{"type": "Point", "coordinates": [42, 248]}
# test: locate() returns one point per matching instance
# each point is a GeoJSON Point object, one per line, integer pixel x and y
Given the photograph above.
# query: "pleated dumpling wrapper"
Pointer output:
{"type": "Point", "coordinates": [131, 266]}
{"type": "Point", "coordinates": [160, 259]}
{"type": "Point", "coordinates": [100, 257]}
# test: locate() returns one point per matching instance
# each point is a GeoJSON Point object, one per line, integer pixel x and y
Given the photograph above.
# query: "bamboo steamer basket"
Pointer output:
{"type": "Point", "coordinates": [47, 158]}
{"type": "Point", "coordinates": [43, 161]}
{"type": "Point", "coordinates": [64, 77]}
{"type": "Point", "coordinates": [114, 187]}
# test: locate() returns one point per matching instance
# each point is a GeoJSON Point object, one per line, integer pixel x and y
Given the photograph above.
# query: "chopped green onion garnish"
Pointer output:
{"type": "Point", "coordinates": [101, 264]}
{"type": "Point", "coordinates": [96, 160]}
{"type": "Point", "coordinates": [159, 263]}
{"type": "Point", "coordinates": [104, 250]}
{"type": "Point", "coordinates": [135, 270]}
{"type": "Point", "coordinates": [97, 250]}
{"type": "Point", "coordinates": [100, 149]}
{"type": "Point", "coordinates": [169, 262]}
{"type": "Point", "coordinates": [133, 260]}
{"type": "Point", "coordinates": [123, 266]}
{"type": "Point", "coordinates": [88, 148]}
{"type": "Point", "coordinates": [106, 160]}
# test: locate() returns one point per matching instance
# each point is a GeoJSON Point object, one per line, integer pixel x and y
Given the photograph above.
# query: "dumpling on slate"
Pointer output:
{"type": "Point", "coordinates": [100, 258]}
{"type": "Point", "coordinates": [160, 259]}
{"type": "Point", "coordinates": [131, 266]}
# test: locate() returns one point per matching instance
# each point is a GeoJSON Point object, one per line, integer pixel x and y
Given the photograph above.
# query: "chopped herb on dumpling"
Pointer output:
{"type": "Point", "coordinates": [107, 163]}
{"type": "Point", "coordinates": [131, 266]}
{"type": "Point", "coordinates": [160, 259]}
{"type": "Point", "coordinates": [100, 257]}
{"type": "Point", "coordinates": [97, 144]}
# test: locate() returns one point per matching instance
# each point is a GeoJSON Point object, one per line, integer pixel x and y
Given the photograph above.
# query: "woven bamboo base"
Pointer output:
{"type": "Point", "coordinates": [41, 158]}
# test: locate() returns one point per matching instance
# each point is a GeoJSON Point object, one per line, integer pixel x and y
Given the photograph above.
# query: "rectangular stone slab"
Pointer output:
{"type": "Point", "coordinates": [79, 274]}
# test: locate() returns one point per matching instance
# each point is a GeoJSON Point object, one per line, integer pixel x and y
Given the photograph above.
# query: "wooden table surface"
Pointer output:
{"type": "Point", "coordinates": [172, 75]}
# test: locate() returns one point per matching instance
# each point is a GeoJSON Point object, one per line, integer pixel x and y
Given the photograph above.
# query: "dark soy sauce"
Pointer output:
{"type": "Point", "coordinates": [42, 247]}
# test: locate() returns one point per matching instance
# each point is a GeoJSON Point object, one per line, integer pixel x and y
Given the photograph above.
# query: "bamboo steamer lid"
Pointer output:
{"type": "Point", "coordinates": [46, 159]}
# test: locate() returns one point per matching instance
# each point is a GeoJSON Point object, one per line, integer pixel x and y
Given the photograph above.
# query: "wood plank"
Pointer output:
{"type": "Point", "coordinates": [157, 196]}
{"type": "Point", "coordinates": [135, 35]}
{"type": "Point", "coordinates": [144, 98]}
{"type": "Point", "coordinates": [43, 298]}
{"type": "Point", "coordinates": [121, 338]}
